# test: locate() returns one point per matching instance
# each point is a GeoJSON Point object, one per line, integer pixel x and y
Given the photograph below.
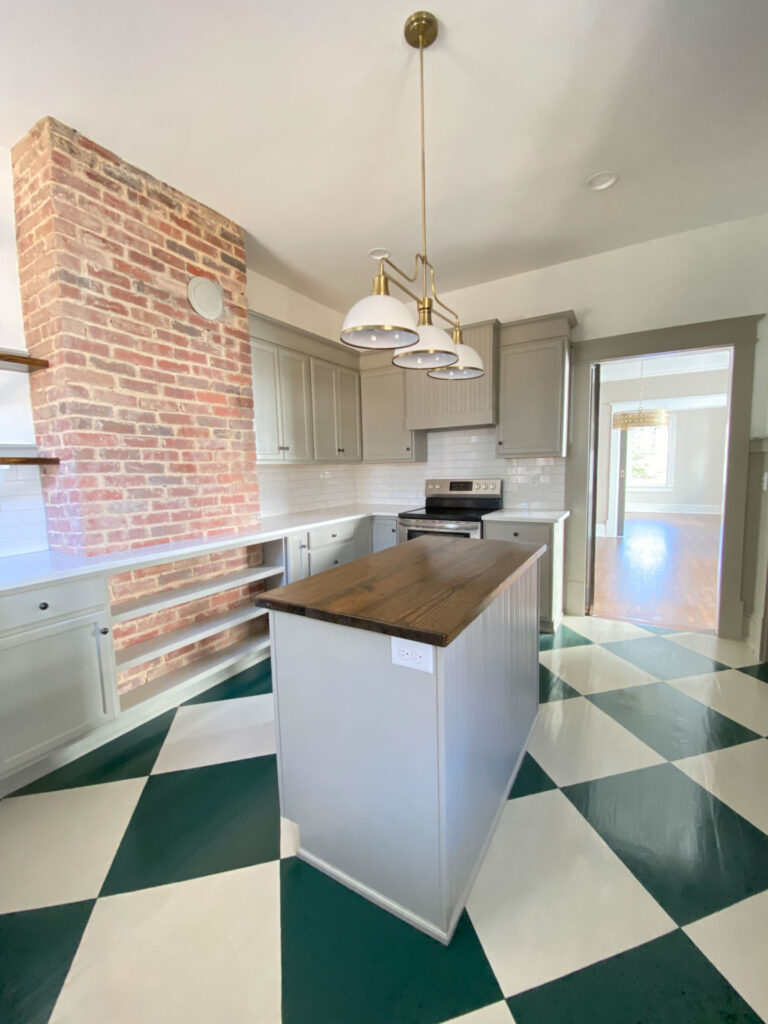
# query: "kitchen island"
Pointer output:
{"type": "Point", "coordinates": [406, 685]}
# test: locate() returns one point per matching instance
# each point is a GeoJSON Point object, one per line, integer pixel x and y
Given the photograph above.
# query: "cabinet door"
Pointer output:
{"type": "Point", "coordinates": [56, 684]}
{"type": "Point", "coordinates": [348, 415]}
{"type": "Point", "coordinates": [330, 556]}
{"type": "Point", "coordinates": [382, 399]}
{"type": "Point", "coordinates": [534, 533]}
{"type": "Point", "coordinates": [296, 560]}
{"type": "Point", "coordinates": [324, 411]}
{"type": "Point", "coordinates": [533, 391]}
{"type": "Point", "coordinates": [455, 403]}
{"type": "Point", "coordinates": [295, 406]}
{"type": "Point", "coordinates": [384, 533]}
{"type": "Point", "coordinates": [266, 400]}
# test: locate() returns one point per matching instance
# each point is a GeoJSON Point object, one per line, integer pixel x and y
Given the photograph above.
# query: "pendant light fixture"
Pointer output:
{"type": "Point", "coordinates": [640, 417]}
{"type": "Point", "coordinates": [380, 321]}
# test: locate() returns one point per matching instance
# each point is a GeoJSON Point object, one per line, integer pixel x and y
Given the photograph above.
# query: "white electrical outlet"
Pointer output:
{"type": "Point", "coordinates": [412, 654]}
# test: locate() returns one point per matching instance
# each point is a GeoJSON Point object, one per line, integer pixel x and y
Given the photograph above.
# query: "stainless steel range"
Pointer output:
{"type": "Point", "coordinates": [453, 507]}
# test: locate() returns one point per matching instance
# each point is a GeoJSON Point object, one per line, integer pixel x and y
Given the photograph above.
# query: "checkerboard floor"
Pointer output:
{"type": "Point", "coordinates": [627, 882]}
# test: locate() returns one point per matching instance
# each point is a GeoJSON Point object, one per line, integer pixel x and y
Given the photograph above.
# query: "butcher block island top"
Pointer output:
{"type": "Point", "coordinates": [428, 589]}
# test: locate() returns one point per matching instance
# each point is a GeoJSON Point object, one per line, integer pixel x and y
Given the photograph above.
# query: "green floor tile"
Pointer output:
{"type": "Point", "coordinates": [563, 637]}
{"type": "Point", "coordinates": [690, 851]}
{"type": "Point", "coordinates": [530, 779]}
{"type": "Point", "coordinates": [347, 961]}
{"type": "Point", "coordinates": [663, 658]}
{"type": "Point", "coordinates": [197, 822]}
{"type": "Point", "coordinates": [667, 981]}
{"type": "Point", "coordinates": [758, 671]}
{"type": "Point", "coordinates": [552, 687]}
{"type": "Point", "coordinates": [672, 723]}
{"type": "Point", "coordinates": [36, 950]}
{"type": "Point", "coordinates": [251, 682]}
{"type": "Point", "coordinates": [130, 756]}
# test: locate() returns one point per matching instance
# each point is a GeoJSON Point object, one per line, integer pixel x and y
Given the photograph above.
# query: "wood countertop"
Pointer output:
{"type": "Point", "coordinates": [428, 589]}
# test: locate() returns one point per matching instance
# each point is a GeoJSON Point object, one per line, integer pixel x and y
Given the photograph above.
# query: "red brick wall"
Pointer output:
{"type": "Point", "coordinates": [148, 406]}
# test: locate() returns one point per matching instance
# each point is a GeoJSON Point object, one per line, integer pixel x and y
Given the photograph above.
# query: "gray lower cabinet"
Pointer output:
{"type": "Point", "coordinates": [551, 563]}
{"type": "Point", "coordinates": [534, 369]}
{"type": "Point", "coordinates": [282, 403]}
{"type": "Point", "coordinates": [384, 533]}
{"type": "Point", "coordinates": [336, 412]}
{"type": "Point", "coordinates": [57, 683]}
{"type": "Point", "coordinates": [325, 547]}
{"type": "Point", "coordinates": [385, 435]}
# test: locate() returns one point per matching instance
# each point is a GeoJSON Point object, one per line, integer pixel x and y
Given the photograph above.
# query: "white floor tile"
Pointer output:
{"type": "Point", "coordinates": [224, 730]}
{"type": "Point", "coordinates": [735, 653]}
{"type": "Point", "coordinates": [574, 741]}
{"type": "Point", "coordinates": [189, 953]}
{"type": "Point", "coordinates": [602, 631]}
{"type": "Point", "coordinates": [736, 941]}
{"type": "Point", "coordinates": [734, 694]}
{"type": "Point", "coordinates": [57, 847]}
{"type": "Point", "coordinates": [546, 873]}
{"type": "Point", "coordinates": [592, 669]}
{"type": "Point", "coordinates": [496, 1013]}
{"type": "Point", "coordinates": [737, 776]}
{"type": "Point", "coordinates": [289, 838]}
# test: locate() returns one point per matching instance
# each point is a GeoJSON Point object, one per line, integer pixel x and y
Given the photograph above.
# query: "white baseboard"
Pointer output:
{"type": "Point", "coordinates": [691, 510]}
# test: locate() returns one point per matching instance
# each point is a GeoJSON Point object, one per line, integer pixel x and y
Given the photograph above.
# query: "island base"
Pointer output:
{"type": "Point", "coordinates": [396, 777]}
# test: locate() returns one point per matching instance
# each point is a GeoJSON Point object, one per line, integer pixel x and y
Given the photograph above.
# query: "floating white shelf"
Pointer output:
{"type": "Point", "coordinates": [236, 657]}
{"type": "Point", "coordinates": [126, 610]}
{"type": "Point", "coordinates": [136, 654]}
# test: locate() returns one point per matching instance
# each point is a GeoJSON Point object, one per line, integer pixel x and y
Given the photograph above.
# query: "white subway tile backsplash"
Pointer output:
{"type": "Point", "coordinates": [22, 512]}
{"type": "Point", "coordinates": [539, 483]}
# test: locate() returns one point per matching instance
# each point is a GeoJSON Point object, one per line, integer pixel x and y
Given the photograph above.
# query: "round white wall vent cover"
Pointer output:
{"type": "Point", "coordinates": [206, 297]}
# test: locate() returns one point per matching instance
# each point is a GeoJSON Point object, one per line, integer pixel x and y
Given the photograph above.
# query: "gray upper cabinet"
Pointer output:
{"type": "Point", "coordinates": [534, 368]}
{"type": "Point", "coordinates": [348, 415]}
{"type": "Point", "coordinates": [336, 412]}
{"type": "Point", "coordinates": [282, 403]}
{"type": "Point", "coordinates": [431, 404]}
{"type": "Point", "coordinates": [385, 435]}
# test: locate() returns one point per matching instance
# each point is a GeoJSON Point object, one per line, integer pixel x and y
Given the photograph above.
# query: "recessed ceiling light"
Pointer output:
{"type": "Point", "coordinates": [601, 181]}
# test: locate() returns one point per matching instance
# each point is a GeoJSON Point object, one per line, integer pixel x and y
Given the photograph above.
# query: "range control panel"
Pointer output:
{"type": "Point", "coordinates": [488, 488]}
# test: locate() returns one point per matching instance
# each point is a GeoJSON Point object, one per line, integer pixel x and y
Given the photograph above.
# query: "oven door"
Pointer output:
{"type": "Point", "coordinates": [408, 529]}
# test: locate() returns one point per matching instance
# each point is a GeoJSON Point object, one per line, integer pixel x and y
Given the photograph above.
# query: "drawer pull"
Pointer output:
{"type": "Point", "coordinates": [104, 630]}
{"type": "Point", "coordinates": [334, 536]}
{"type": "Point", "coordinates": [43, 606]}
{"type": "Point", "coordinates": [515, 534]}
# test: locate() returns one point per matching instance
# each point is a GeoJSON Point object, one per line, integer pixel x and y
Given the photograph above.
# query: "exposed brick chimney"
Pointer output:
{"type": "Point", "coordinates": [148, 406]}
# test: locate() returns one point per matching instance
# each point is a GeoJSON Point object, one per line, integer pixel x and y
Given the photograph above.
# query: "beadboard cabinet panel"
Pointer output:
{"type": "Point", "coordinates": [348, 415]}
{"type": "Point", "coordinates": [385, 435]}
{"type": "Point", "coordinates": [432, 404]}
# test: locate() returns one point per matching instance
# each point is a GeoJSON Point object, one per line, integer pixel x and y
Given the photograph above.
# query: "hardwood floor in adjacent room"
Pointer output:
{"type": "Point", "coordinates": [663, 571]}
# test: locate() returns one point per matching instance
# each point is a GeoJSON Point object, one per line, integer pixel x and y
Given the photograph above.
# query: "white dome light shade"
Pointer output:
{"type": "Point", "coordinates": [379, 321]}
{"type": "Point", "coordinates": [469, 364]}
{"type": "Point", "coordinates": [434, 349]}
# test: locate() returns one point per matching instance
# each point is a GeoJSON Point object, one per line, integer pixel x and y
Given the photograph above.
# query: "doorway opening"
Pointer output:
{"type": "Point", "coordinates": [658, 487]}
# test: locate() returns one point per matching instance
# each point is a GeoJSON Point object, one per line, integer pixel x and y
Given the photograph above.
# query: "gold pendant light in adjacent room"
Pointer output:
{"type": "Point", "coordinates": [381, 321]}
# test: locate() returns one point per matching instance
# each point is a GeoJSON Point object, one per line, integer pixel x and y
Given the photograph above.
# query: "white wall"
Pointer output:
{"type": "Point", "coordinates": [709, 274]}
{"type": "Point", "coordinates": [272, 299]}
{"type": "Point", "coordinates": [538, 483]}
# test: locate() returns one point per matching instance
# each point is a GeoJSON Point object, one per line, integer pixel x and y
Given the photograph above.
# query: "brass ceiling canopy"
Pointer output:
{"type": "Point", "coordinates": [421, 30]}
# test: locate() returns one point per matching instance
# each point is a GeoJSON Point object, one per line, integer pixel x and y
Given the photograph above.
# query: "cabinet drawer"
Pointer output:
{"type": "Point", "coordinates": [330, 556]}
{"type": "Point", "coordinates": [527, 533]}
{"type": "Point", "coordinates": [336, 534]}
{"type": "Point", "coordinates": [37, 606]}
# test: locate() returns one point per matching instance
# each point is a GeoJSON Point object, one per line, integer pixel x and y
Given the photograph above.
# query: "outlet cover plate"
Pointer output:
{"type": "Point", "coordinates": [412, 654]}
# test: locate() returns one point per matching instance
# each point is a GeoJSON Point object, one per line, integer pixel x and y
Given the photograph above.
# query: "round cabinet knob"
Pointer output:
{"type": "Point", "coordinates": [104, 630]}
{"type": "Point", "coordinates": [334, 536]}
{"type": "Point", "coordinates": [43, 606]}
{"type": "Point", "coordinates": [408, 449]}
{"type": "Point", "coordinates": [393, 530]}
{"type": "Point", "coordinates": [515, 534]}
{"type": "Point", "coordinates": [501, 442]}
{"type": "Point", "coordinates": [335, 561]}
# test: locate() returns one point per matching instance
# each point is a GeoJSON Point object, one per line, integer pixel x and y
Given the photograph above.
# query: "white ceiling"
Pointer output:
{"type": "Point", "coordinates": [299, 120]}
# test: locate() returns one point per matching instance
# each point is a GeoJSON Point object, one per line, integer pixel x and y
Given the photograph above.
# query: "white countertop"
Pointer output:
{"type": "Point", "coordinates": [527, 515]}
{"type": "Point", "coordinates": [47, 566]}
